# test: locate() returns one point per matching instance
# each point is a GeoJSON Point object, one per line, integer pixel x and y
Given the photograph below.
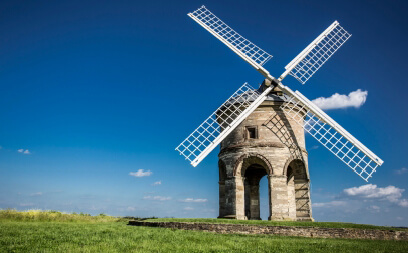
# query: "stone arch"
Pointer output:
{"type": "Point", "coordinates": [298, 164]}
{"type": "Point", "coordinates": [248, 170]}
{"type": "Point", "coordinates": [246, 160]}
{"type": "Point", "coordinates": [298, 185]}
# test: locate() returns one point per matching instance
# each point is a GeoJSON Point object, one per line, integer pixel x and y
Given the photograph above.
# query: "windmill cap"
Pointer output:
{"type": "Point", "coordinates": [275, 95]}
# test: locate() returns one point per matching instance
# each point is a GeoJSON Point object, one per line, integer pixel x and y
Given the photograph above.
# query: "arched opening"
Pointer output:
{"type": "Point", "coordinates": [248, 171]}
{"type": "Point", "coordinates": [253, 175]}
{"type": "Point", "coordinates": [298, 191]}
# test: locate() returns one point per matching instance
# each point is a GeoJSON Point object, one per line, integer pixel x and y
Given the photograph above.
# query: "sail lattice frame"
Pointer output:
{"type": "Point", "coordinates": [324, 129]}
{"type": "Point", "coordinates": [220, 123]}
{"type": "Point", "coordinates": [318, 52]}
{"type": "Point", "coordinates": [229, 36]}
{"type": "Point", "coordinates": [339, 142]}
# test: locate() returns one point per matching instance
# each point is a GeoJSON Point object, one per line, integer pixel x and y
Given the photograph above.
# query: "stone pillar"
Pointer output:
{"type": "Point", "coordinates": [292, 198]}
{"type": "Point", "coordinates": [302, 193]}
{"type": "Point", "coordinates": [222, 199]}
{"type": "Point", "coordinates": [279, 198]}
{"type": "Point", "coordinates": [229, 204]}
{"type": "Point", "coordinates": [239, 198]}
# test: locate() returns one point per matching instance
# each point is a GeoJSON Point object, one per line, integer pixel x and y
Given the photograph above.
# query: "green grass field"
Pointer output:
{"type": "Point", "coordinates": [44, 232]}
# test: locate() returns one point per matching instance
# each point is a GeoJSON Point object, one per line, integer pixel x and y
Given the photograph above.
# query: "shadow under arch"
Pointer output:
{"type": "Point", "coordinates": [246, 160]}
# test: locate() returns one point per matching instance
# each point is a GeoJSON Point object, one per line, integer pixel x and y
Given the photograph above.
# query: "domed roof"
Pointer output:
{"type": "Point", "coordinates": [277, 95]}
{"type": "Point", "coordinates": [250, 95]}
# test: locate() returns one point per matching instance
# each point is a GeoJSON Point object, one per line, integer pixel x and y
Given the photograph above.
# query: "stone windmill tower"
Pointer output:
{"type": "Point", "coordinates": [261, 131]}
{"type": "Point", "coordinates": [266, 143]}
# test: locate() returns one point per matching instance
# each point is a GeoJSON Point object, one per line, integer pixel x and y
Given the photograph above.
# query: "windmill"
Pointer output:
{"type": "Point", "coordinates": [296, 107]}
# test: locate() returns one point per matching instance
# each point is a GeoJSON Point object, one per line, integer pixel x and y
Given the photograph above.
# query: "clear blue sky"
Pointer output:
{"type": "Point", "coordinates": [95, 90]}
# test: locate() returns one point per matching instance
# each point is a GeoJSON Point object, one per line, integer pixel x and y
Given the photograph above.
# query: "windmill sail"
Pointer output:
{"type": "Point", "coordinates": [331, 135]}
{"type": "Point", "coordinates": [305, 64]}
{"type": "Point", "coordinates": [247, 50]}
{"type": "Point", "coordinates": [220, 123]}
{"type": "Point", "coordinates": [243, 102]}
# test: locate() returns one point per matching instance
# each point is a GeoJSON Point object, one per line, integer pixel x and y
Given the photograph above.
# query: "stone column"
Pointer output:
{"type": "Point", "coordinates": [239, 198]}
{"type": "Point", "coordinates": [291, 199]}
{"type": "Point", "coordinates": [229, 204]}
{"type": "Point", "coordinates": [222, 199]}
{"type": "Point", "coordinates": [279, 197]}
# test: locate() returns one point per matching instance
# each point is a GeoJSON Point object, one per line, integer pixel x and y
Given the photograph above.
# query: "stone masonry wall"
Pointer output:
{"type": "Point", "coordinates": [346, 233]}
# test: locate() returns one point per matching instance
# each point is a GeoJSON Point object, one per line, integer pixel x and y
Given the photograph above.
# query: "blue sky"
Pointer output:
{"type": "Point", "coordinates": [91, 91]}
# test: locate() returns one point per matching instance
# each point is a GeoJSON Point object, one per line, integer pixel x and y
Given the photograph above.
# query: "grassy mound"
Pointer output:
{"type": "Point", "coordinates": [50, 215]}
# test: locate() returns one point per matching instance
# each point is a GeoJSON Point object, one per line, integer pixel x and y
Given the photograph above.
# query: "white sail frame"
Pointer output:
{"type": "Point", "coordinates": [330, 134]}
{"type": "Point", "coordinates": [221, 123]}
{"type": "Point", "coordinates": [312, 58]}
{"type": "Point", "coordinates": [327, 131]}
{"type": "Point", "coordinates": [247, 50]}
